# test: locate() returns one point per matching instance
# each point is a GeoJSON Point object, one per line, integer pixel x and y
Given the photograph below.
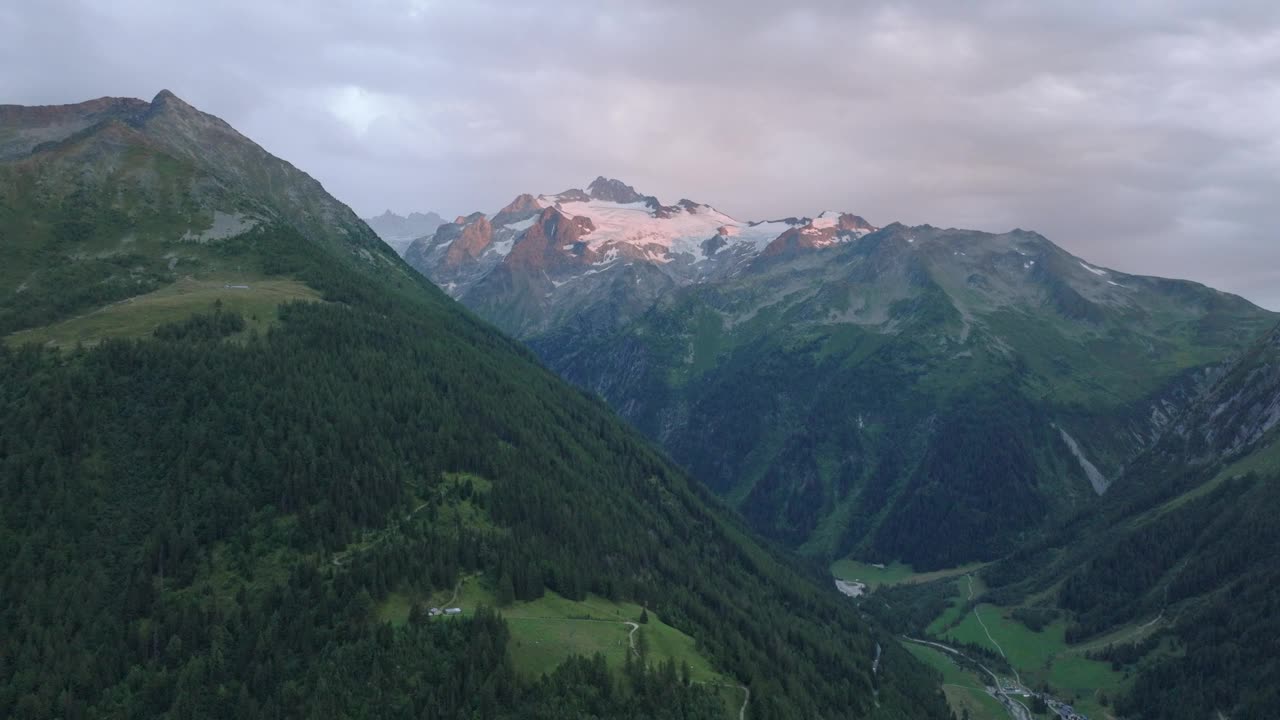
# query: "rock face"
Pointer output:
{"type": "Point", "coordinates": [522, 208]}
{"type": "Point", "coordinates": [474, 236]}
{"type": "Point", "coordinates": [614, 191]}
{"type": "Point", "coordinates": [826, 230]}
{"type": "Point", "coordinates": [1238, 410]}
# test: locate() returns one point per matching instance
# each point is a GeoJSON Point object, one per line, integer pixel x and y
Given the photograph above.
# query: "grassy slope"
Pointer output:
{"type": "Point", "coordinates": [546, 631]}
{"type": "Point", "coordinates": [964, 689]}
{"type": "Point", "coordinates": [140, 316]}
{"type": "Point", "coordinates": [552, 628]}
{"type": "Point", "coordinates": [892, 573]}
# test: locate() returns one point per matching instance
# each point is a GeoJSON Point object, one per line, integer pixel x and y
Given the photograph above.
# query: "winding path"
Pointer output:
{"type": "Point", "coordinates": [456, 588]}
{"type": "Point", "coordinates": [746, 694]}
{"type": "Point", "coordinates": [1015, 707]}
{"type": "Point", "coordinates": [746, 691]}
{"type": "Point", "coordinates": [986, 630]}
{"type": "Point", "coordinates": [631, 636]}
{"type": "Point", "coordinates": [1123, 639]}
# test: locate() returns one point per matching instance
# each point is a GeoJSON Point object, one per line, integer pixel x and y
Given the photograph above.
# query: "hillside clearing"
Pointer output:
{"type": "Point", "coordinates": [546, 631]}
{"type": "Point", "coordinates": [876, 575]}
{"type": "Point", "coordinates": [257, 300]}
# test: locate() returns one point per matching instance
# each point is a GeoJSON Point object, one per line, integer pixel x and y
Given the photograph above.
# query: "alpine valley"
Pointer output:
{"type": "Point", "coordinates": [1054, 481]}
{"type": "Point", "coordinates": [916, 394]}
{"type": "Point", "coordinates": [603, 459]}
{"type": "Point", "coordinates": [247, 455]}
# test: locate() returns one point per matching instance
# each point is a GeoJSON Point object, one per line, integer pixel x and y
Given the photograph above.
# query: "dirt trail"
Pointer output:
{"type": "Point", "coordinates": [456, 588]}
{"type": "Point", "coordinates": [980, 622]}
{"type": "Point", "coordinates": [746, 695]}
{"type": "Point", "coordinates": [988, 632]}
{"type": "Point", "coordinates": [1123, 639]}
{"type": "Point", "coordinates": [631, 636]}
{"type": "Point", "coordinates": [978, 615]}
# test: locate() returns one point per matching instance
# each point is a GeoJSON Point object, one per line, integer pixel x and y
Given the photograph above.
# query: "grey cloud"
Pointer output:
{"type": "Point", "coordinates": [1140, 135]}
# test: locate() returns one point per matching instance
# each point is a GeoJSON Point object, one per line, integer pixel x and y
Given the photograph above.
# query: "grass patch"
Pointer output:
{"type": "Point", "coordinates": [954, 613]}
{"type": "Point", "coordinates": [140, 316]}
{"type": "Point", "coordinates": [547, 631]}
{"type": "Point", "coordinates": [1040, 657]}
{"type": "Point", "coordinates": [1026, 650]}
{"type": "Point", "coordinates": [962, 688]}
{"type": "Point", "coordinates": [892, 574]}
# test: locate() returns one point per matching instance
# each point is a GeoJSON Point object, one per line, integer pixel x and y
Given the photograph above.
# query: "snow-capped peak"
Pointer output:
{"type": "Point", "coordinates": [611, 190]}
{"type": "Point", "coordinates": [611, 221]}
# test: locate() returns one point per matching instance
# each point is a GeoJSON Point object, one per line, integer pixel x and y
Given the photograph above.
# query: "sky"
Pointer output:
{"type": "Point", "coordinates": [1143, 136]}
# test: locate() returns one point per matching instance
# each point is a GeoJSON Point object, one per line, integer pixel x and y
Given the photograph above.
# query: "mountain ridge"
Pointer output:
{"type": "Point", "coordinates": [582, 237]}
{"type": "Point", "coordinates": [824, 389]}
{"type": "Point", "coordinates": [213, 505]}
{"type": "Point", "coordinates": [399, 231]}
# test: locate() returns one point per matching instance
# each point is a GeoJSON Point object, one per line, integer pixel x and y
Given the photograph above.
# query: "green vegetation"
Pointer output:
{"type": "Point", "coordinates": [258, 303]}
{"type": "Point", "coordinates": [550, 629]}
{"type": "Point", "coordinates": [1040, 658]}
{"type": "Point", "coordinates": [892, 400]}
{"type": "Point", "coordinates": [199, 520]}
{"type": "Point", "coordinates": [874, 575]}
{"type": "Point", "coordinates": [999, 638]}
{"type": "Point", "coordinates": [142, 488]}
{"type": "Point", "coordinates": [962, 688]}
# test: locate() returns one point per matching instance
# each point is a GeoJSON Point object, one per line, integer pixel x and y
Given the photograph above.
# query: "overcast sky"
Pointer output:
{"type": "Point", "coordinates": [1141, 135]}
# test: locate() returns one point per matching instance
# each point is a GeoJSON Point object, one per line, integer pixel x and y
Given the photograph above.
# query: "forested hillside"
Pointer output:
{"type": "Point", "coordinates": [917, 394]}
{"type": "Point", "coordinates": [1187, 553]}
{"type": "Point", "coordinates": [203, 519]}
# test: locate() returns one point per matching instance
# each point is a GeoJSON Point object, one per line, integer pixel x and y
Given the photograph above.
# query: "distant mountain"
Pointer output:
{"type": "Point", "coordinates": [399, 232]}
{"type": "Point", "coordinates": [544, 259]}
{"type": "Point", "coordinates": [903, 393]}
{"type": "Point", "coordinates": [268, 447]}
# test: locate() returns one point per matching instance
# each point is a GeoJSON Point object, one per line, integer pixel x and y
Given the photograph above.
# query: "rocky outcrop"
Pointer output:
{"type": "Point", "coordinates": [553, 241]}
{"type": "Point", "coordinates": [610, 190]}
{"type": "Point", "coordinates": [522, 208]}
{"type": "Point", "coordinates": [476, 234]}
{"type": "Point", "coordinates": [848, 222]}
{"type": "Point", "coordinates": [31, 127]}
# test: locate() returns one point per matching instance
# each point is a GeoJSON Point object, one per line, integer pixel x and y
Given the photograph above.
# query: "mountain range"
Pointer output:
{"type": "Point", "coordinates": [400, 231]}
{"type": "Point", "coordinates": [254, 464]}
{"type": "Point", "coordinates": [920, 394]}
{"type": "Point", "coordinates": [544, 259]}
{"type": "Point", "coordinates": [247, 454]}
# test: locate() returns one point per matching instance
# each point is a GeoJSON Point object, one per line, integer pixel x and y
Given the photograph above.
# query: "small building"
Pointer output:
{"type": "Point", "coordinates": [433, 612]}
{"type": "Point", "coordinates": [453, 611]}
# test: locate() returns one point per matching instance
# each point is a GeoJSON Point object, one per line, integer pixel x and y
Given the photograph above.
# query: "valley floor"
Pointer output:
{"type": "Point", "coordinates": [992, 665]}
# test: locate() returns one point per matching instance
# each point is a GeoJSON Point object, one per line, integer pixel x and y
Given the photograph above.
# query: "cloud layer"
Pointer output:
{"type": "Point", "coordinates": [1144, 136]}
